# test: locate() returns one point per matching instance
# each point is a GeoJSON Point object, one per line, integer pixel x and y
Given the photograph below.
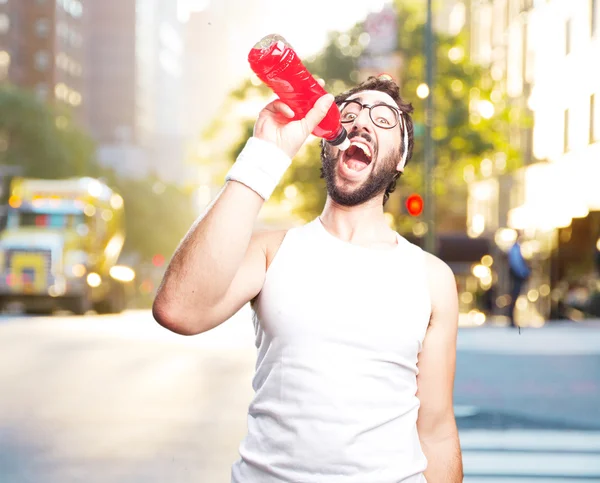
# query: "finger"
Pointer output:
{"type": "Point", "coordinates": [321, 82]}
{"type": "Point", "coordinates": [280, 107]}
{"type": "Point", "coordinates": [318, 112]}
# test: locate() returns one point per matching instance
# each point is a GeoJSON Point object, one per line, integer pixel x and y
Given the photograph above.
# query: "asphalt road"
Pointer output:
{"type": "Point", "coordinates": [119, 399]}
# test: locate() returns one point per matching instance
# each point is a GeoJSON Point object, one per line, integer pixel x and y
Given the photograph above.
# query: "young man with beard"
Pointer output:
{"type": "Point", "coordinates": [356, 327]}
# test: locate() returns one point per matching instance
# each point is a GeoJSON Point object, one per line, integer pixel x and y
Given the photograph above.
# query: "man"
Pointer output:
{"type": "Point", "coordinates": [356, 327]}
{"type": "Point", "coordinates": [519, 273]}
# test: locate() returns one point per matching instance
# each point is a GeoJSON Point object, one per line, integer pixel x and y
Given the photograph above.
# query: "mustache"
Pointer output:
{"type": "Point", "coordinates": [366, 136]}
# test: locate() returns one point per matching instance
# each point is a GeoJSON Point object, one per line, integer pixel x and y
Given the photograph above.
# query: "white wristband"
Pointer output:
{"type": "Point", "coordinates": [260, 166]}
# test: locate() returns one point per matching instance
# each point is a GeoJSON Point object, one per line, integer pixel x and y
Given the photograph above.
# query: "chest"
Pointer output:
{"type": "Point", "coordinates": [379, 304]}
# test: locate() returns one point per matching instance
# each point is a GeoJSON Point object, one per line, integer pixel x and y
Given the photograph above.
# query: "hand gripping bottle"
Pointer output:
{"type": "Point", "coordinates": [276, 64]}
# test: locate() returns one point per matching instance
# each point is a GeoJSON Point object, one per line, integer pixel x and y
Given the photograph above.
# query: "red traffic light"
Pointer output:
{"type": "Point", "coordinates": [414, 205]}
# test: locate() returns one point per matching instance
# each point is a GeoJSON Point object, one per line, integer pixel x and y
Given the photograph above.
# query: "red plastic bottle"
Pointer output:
{"type": "Point", "coordinates": [276, 64]}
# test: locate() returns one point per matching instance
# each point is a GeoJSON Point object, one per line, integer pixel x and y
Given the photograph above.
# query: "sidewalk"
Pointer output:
{"type": "Point", "coordinates": [554, 337]}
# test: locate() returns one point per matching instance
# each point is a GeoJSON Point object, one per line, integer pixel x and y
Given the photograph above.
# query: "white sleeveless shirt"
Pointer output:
{"type": "Point", "coordinates": [338, 329]}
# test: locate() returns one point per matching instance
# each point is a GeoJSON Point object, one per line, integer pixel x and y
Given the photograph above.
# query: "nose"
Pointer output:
{"type": "Point", "coordinates": [363, 122]}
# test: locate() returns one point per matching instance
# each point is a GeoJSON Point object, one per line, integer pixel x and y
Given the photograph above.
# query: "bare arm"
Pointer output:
{"type": "Point", "coordinates": [437, 362]}
{"type": "Point", "coordinates": [219, 265]}
{"type": "Point", "coordinates": [202, 270]}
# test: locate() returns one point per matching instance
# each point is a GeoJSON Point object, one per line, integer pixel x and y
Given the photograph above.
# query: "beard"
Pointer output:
{"type": "Point", "coordinates": [383, 173]}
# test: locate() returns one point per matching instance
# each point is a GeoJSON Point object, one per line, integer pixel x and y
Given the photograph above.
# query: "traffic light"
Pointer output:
{"type": "Point", "coordinates": [414, 204]}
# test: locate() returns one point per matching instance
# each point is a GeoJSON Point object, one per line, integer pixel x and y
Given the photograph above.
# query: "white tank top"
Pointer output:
{"type": "Point", "coordinates": [338, 329]}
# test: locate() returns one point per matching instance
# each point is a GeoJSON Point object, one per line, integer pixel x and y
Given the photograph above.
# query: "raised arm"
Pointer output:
{"type": "Point", "coordinates": [219, 265]}
{"type": "Point", "coordinates": [435, 383]}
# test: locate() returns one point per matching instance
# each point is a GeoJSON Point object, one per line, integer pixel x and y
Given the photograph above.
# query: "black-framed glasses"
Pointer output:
{"type": "Point", "coordinates": [382, 115]}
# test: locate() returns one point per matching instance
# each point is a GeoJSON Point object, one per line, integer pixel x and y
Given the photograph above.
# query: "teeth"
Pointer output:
{"type": "Point", "coordinates": [364, 148]}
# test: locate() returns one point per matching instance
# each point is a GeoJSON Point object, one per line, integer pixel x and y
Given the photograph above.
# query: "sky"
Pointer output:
{"type": "Point", "coordinates": [307, 21]}
{"type": "Point", "coordinates": [305, 24]}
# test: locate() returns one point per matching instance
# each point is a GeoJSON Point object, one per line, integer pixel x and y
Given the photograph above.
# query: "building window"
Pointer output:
{"type": "Point", "coordinates": [568, 37]}
{"type": "Point", "coordinates": [74, 98]}
{"type": "Point", "coordinates": [593, 17]}
{"type": "Point", "coordinates": [4, 23]}
{"type": "Point", "coordinates": [77, 9]}
{"type": "Point", "coordinates": [61, 91]}
{"type": "Point", "coordinates": [73, 7]}
{"type": "Point", "coordinates": [41, 60]}
{"type": "Point", "coordinates": [594, 114]}
{"type": "Point", "coordinates": [42, 28]}
{"type": "Point", "coordinates": [566, 133]}
{"type": "Point", "coordinates": [62, 61]}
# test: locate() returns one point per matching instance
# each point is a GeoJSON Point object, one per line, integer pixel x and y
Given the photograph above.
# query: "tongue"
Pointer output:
{"type": "Point", "coordinates": [356, 165]}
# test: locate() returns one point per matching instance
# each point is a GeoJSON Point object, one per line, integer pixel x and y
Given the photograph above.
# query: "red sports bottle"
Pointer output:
{"type": "Point", "coordinates": [276, 64]}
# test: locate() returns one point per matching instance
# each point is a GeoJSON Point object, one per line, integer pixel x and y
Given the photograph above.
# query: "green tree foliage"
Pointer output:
{"type": "Point", "coordinates": [45, 142]}
{"type": "Point", "coordinates": [41, 139]}
{"type": "Point", "coordinates": [337, 62]}
{"type": "Point", "coordinates": [463, 135]}
{"type": "Point", "coordinates": [157, 215]}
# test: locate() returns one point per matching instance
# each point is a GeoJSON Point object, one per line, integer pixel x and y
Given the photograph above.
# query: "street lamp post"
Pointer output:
{"type": "Point", "coordinates": [429, 205]}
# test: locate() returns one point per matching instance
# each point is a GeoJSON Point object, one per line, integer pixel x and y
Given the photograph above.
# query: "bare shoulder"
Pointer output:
{"type": "Point", "coordinates": [442, 288]}
{"type": "Point", "coordinates": [269, 241]}
{"type": "Point", "coordinates": [438, 271]}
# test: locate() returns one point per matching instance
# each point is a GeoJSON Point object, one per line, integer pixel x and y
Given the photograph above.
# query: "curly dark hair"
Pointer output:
{"type": "Point", "coordinates": [385, 84]}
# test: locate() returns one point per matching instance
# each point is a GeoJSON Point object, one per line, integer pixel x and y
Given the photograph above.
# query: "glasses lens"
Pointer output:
{"type": "Point", "coordinates": [350, 111]}
{"type": "Point", "coordinates": [384, 116]}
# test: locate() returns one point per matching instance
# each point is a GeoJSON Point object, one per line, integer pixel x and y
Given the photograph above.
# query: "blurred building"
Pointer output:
{"type": "Point", "coordinates": [42, 49]}
{"type": "Point", "coordinates": [541, 55]}
{"type": "Point", "coordinates": [135, 86]}
{"type": "Point", "coordinates": [111, 73]}
{"type": "Point", "coordinates": [160, 44]}
{"type": "Point", "coordinates": [381, 52]}
{"type": "Point", "coordinates": [111, 85]}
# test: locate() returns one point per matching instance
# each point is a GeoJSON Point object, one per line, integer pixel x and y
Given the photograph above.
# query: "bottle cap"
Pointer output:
{"type": "Point", "coordinates": [341, 141]}
{"type": "Point", "coordinates": [268, 40]}
{"type": "Point", "coordinates": [345, 144]}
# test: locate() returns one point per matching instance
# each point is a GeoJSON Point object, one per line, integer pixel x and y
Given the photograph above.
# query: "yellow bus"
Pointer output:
{"type": "Point", "coordinates": [61, 245]}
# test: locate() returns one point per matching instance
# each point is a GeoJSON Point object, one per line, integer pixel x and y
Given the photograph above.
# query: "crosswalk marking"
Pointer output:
{"type": "Point", "coordinates": [518, 456]}
{"type": "Point", "coordinates": [527, 440]}
{"type": "Point", "coordinates": [528, 464]}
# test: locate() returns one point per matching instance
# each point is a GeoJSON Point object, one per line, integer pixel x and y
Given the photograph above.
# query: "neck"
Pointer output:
{"type": "Point", "coordinates": [364, 224]}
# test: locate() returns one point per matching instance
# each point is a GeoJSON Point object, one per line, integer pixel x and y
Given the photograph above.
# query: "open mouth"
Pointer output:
{"type": "Point", "coordinates": [358, 156]}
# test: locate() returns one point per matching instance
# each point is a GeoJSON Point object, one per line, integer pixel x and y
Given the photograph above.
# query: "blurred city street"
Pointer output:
{"type": "Point", "coordinates": [119, 399]}
{"type": "Point", "coordinates": [120, 121]}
